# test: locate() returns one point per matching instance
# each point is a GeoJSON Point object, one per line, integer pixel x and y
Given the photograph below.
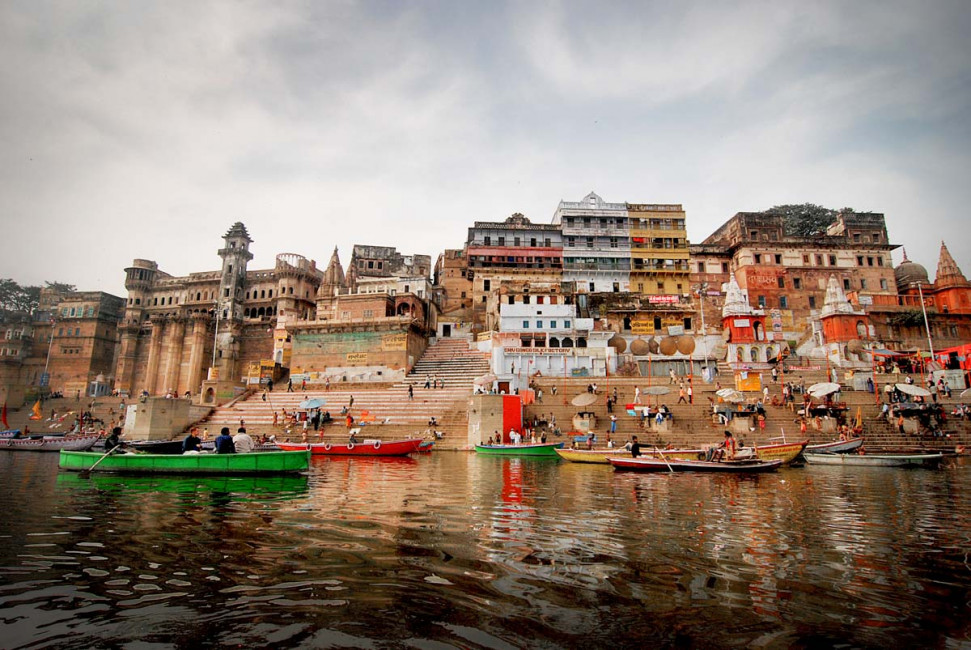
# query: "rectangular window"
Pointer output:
{"type": "Point", "coordinates": [846, 284]}
{"type": "Point", "coordinates": [758, 258]}
{"type": "Point", "coordinates": [724, 267]}
{"type": "Point", "coordinates": [701, 267]}
{"type": "Point", "coordinates": [883, 284]}
{"type": "Point", "coordinates": [761, 302]}
{"type": "Point", "coordinates": [592, 287]}
{"type": "Point", "coordinates": [540, 300]}
{"type": "Point", "coordinates": [657, 324]}
{"type": "Point", "coordinates": [687, 323]}
{"type": "Point", "coordinates": [486, 285]}
{"type": "Point", "coordinates": [863, 283]}
{"type": "Point", "coordinates": [819, 260]}
{"type": "Point", "coordinates": [778, 259]}
{"type": "Point", "coordinates": [783, 302]}
{"type": "Point", "coordinates": [856, 237]}
{"type": "Point", "coordinates": [832, 260]}
{"type": "Point", "coordinates": [552, 324]}
{"type": "Point", "coordinates": [502, 241]}
{"type": "Point", "coordinates": [782, 282]}
{"type": "Point", "coordinates": [869, 261]}
{"type": "Point", "coordinates": [525, 324]}
{"type": "Point", "coordinates": [532, 242]}
{"type": "Point", "coordinates": [525, 300]}
{"type": "Point", "coordinates": [797, 283]}
{"type": "Point", "coordinates": [77, 331]}
{"type": "Point", "coordinates": [566, 323]}
{"type": "Point", "coordinates": [488, 241]}
{"type": "Point", "coordinates": [879, 261]}
{"type": "Point", "coordinates": [515, 241]}
{"type": "Point", "coordinates": [512, 300]}
{"type": "Point", "coordinates": [859, 260]}
{"type": "Point", "coordinates": [539, 324]}
{"type": "Point", "coordinates": [225, 295]}
{"type": "Point", "coordinates": [805, 260]}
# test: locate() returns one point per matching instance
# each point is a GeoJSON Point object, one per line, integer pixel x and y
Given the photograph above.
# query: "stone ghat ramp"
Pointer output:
{"type": "Point", "coordinates": [386, 411]}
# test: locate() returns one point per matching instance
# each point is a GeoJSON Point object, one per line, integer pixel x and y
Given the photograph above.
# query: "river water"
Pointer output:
{"type": "Point", "coordinates": [456, 550]}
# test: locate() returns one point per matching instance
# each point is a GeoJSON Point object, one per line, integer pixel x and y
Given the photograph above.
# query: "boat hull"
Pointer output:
{"type": "Point", "coordinates": [732, 467]}
{"type": "Point", "coordinates": [876, 460]}
{"type": "Point", "coordinates": [68, 443]}
{"type": "Point", "coordinates": [595, 456]}
{"type": "Point", "coordinates": [365, 448]}
{"type": "Point", "coordinates": [547, 449]}
{"type": "Point", "coordinates": [838, 447]}
{"type": "Point", "coordinates": [210, 464]}
{"type": "Point", "coordinates": [786, 452]}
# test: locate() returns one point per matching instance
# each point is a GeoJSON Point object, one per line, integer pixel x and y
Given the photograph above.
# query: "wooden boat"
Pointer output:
{"type": "Point", "coordinates": [280, 485]}
{"type": "Point", "coordinates": [256, 463]}
{"type": "Point", "coordinates": [730, 466]}
{"type": "Point", "coordinates": [539, 449]}
{"type": "Point", "coordinates": [837, 447]}
{"type": "Point", "coordinates": [10, 433]}
{"type": "Point", "coordinates": [876, 460]}
{"type": "Point", "coordinates": [786, 452]}
{"type": "Point", "coordinates": [426, 446]}
{"type": "Point", "coordinates": [157, 446]}
{"type": "Point", "coordinates": [363, 448]}
{"type": "Point", "coordinates": [598, 456]}
{"type": "Point", "coordinates": [69, 443]}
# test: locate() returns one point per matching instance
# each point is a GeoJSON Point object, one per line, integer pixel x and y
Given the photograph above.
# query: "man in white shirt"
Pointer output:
{"type": "Point", "coordinates": [244, 444]}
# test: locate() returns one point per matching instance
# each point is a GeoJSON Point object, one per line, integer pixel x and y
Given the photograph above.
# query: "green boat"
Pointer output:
{"type": "Point", "coordinates": [262, 463]}
{"type": "Point", "coordinates": [251, 485]}
{"type": "Point", "coordinates": [547, 449]}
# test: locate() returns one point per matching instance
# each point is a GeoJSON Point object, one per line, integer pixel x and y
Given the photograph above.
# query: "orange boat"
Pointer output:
{"type": "Point", "coordinates": [363, 448]}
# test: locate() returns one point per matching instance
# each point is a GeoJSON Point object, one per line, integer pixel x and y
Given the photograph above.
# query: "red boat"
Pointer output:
{"type": "Point", "coordinates": [364, 448]}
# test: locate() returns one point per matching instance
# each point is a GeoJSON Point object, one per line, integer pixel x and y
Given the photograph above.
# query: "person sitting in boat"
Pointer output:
{"type": "Point", "coordinates": [224, 442]}
{"type": "Point", "coordinates": [243, 442]}
{"type": "Point", "coordinates": [192, 444]}
{"type": "Point", "coordinates": [726, 450]}
{"type": "Point", "coordinates": [489, 442]}
{"type": "Point", "coordinates": [113, 440]}
{"type": "Point", "coordinates": [352, 438]}
{"type": "Point", "coordinates": [635, 448]}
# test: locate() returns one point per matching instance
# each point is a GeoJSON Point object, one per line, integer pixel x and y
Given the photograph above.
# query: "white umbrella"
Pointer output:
{"type": "Point", "coordinates": [823, 389]}
{"type": "Point", "coordinates": [730, 395]}
{"type": "Point", "coordinates": [584, 399]}
{"type": "Point", "coordinates": [656, 390]}
{"type": "Point", "coordinates": [916, 391]}
{"type": "Point", "coordinates": [484, 380]}
{"type": "Point", "coordinates": [312, 403]}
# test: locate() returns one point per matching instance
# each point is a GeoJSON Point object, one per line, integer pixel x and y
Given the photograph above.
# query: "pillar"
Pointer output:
{"type": "Point", "coordinates": [154, 355]}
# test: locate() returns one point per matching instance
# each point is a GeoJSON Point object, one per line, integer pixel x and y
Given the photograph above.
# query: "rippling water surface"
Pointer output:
{"type": "Point", "coordinates": [455, 550]}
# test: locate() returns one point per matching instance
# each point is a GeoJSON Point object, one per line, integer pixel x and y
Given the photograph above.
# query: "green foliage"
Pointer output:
{"type": "Point", "coordinates": [909, 318]}
{"type": "Point", "coordinates": [805, 219]}
{"type": "Point", "coordinates": [60, 287]}
{"type": "Point", "coordinates": [17, 298]}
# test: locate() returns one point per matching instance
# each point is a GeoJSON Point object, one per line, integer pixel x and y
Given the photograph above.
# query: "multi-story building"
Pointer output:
{"type": "Point", "coordinates": [596, 244]}
{"type": "Point", "coordinates": [787, 276]}
{"type": "Point", "coordinates": [514, 249]}
{"type": "Point", "coordinates": [385, 261]}
{"type": "Point", "coordinates": [454, 286]}
{"type": "Point", "coordinates": [84, 342]}
{"type": "Point", "coordinates": [174, 328]}
{"type": "Point", "coordinates": [658, 249]}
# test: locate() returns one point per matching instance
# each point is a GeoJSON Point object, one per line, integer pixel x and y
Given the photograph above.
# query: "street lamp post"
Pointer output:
{"type": "Point", "coordinates": [700, 292]}
{"type": "Point", "coordinates": [927, 327]}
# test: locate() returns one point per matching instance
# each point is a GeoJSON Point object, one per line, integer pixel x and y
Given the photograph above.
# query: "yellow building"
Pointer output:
{"type": "Point", "coordinates": [659, 250]}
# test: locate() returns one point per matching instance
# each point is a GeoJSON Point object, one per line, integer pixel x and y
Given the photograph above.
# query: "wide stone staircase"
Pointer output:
{"type": "Point", "coordinates": [383, 411]}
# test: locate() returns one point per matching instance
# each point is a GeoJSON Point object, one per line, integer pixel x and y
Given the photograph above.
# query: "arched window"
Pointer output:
{"type": "Point", "coordinates": [861, 329]}
{"type": "Point", "coordinates": [554, 342]}
{"type": "Point", "coordinates": [567, 342]}
{"type": "Point", "coordinates": [198, 295]}
{"type": "Point", "coordinates": [261, 312]}
{"type": "Point", "coordinates": [581, 342]}
{"type": "Point", "coordinates": [246, 312]}
{"type": "Point", "coordinates": [263, 293]}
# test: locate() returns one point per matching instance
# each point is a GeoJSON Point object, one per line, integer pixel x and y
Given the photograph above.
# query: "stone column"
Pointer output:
{"type": "Point", "coordinates": [176, 334]}
{"type": "Point", "coordinates": [125, 370]}
{"type": "Point", "coordinates": [197, 351]}
{"type": "Point", "coordinates": [154, 354]}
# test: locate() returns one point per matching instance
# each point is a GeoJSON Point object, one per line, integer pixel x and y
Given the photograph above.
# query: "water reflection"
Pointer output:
{"type": "Point", "coordinates": [494, 552]}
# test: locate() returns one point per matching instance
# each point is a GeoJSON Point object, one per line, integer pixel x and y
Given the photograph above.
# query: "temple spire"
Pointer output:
{"type": "Point", "coordinates": [948, 272]}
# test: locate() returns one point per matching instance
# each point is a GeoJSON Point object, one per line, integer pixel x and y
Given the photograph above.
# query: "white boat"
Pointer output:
{"type": "Point", "coordinates": [82, 442]}
{"type": "Point", "coordinates": [837, 447]}
{"type": "Point", "coordinates": [875, 460]}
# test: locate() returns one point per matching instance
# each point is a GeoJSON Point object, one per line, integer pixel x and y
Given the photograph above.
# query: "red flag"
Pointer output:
{"type": "Point", "coordinates": [3, 416]}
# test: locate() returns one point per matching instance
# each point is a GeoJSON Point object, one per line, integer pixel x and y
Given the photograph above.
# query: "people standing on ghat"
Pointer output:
{"type": "Point", "coordinates": [242, 442]}
{"type": "Point", "coordinates": [269, 384]}
{"type": "Point", "coordinates": [303, 384]}
{"type": "Point", "coordinates": [691, 394]}
{"type": "Point", "coordinates": [613, 423]}
{"type": "Point", "coordinates": [674, 377]}
{"type": "Point", "coordinates": [682, 398]}
{"type": "Point", "coordinates": [224, 442]}
{"type": "Point", "coordinates": [350, 402]}
{"type": "Point", "coordinates": [327, 383]}
{"type": "Point", "coordinates": [192, 444]}
{"type": "Point", "coordinates": [637, 394]}
{"type": "Point", "coordinates": [428, 382]}
{"type": "Point", "coordinates": [411, 392]}
{"type": "Point", "coordinates": [290, 384]}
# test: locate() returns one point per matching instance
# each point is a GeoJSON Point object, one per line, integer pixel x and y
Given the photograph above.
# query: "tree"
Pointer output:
{"type": "Point", "coordinates": [805, 219]}
{"type": "Point", "coordinates": [60, 287]}
{"type": "Point", "coordinates": [14, 297]}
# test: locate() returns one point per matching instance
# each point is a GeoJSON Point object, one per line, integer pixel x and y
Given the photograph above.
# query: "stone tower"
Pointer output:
{"type": "Point", "coordinates": [235, 255]}
{"type": "Point", "coordinates": [948, 273]}
{"type": "Point", "coordinates": [333, 280]}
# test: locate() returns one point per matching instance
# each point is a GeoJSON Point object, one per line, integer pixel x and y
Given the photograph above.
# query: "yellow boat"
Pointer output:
{"type": "Point", "coordinates": [598, 456]}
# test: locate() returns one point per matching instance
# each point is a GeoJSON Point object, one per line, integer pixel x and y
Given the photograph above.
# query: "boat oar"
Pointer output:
{"type": "Point", "coordinates": [664, 459]}
{"type": "Point", "coordinates": [87, 472]}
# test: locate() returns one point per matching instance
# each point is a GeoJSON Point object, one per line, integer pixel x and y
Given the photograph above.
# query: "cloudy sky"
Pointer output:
{"type": "Point", "coordinates": [145, 129]}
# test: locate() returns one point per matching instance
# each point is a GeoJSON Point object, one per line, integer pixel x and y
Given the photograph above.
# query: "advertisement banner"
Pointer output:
{"type": "Point", "coordinates": [357, 358]}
